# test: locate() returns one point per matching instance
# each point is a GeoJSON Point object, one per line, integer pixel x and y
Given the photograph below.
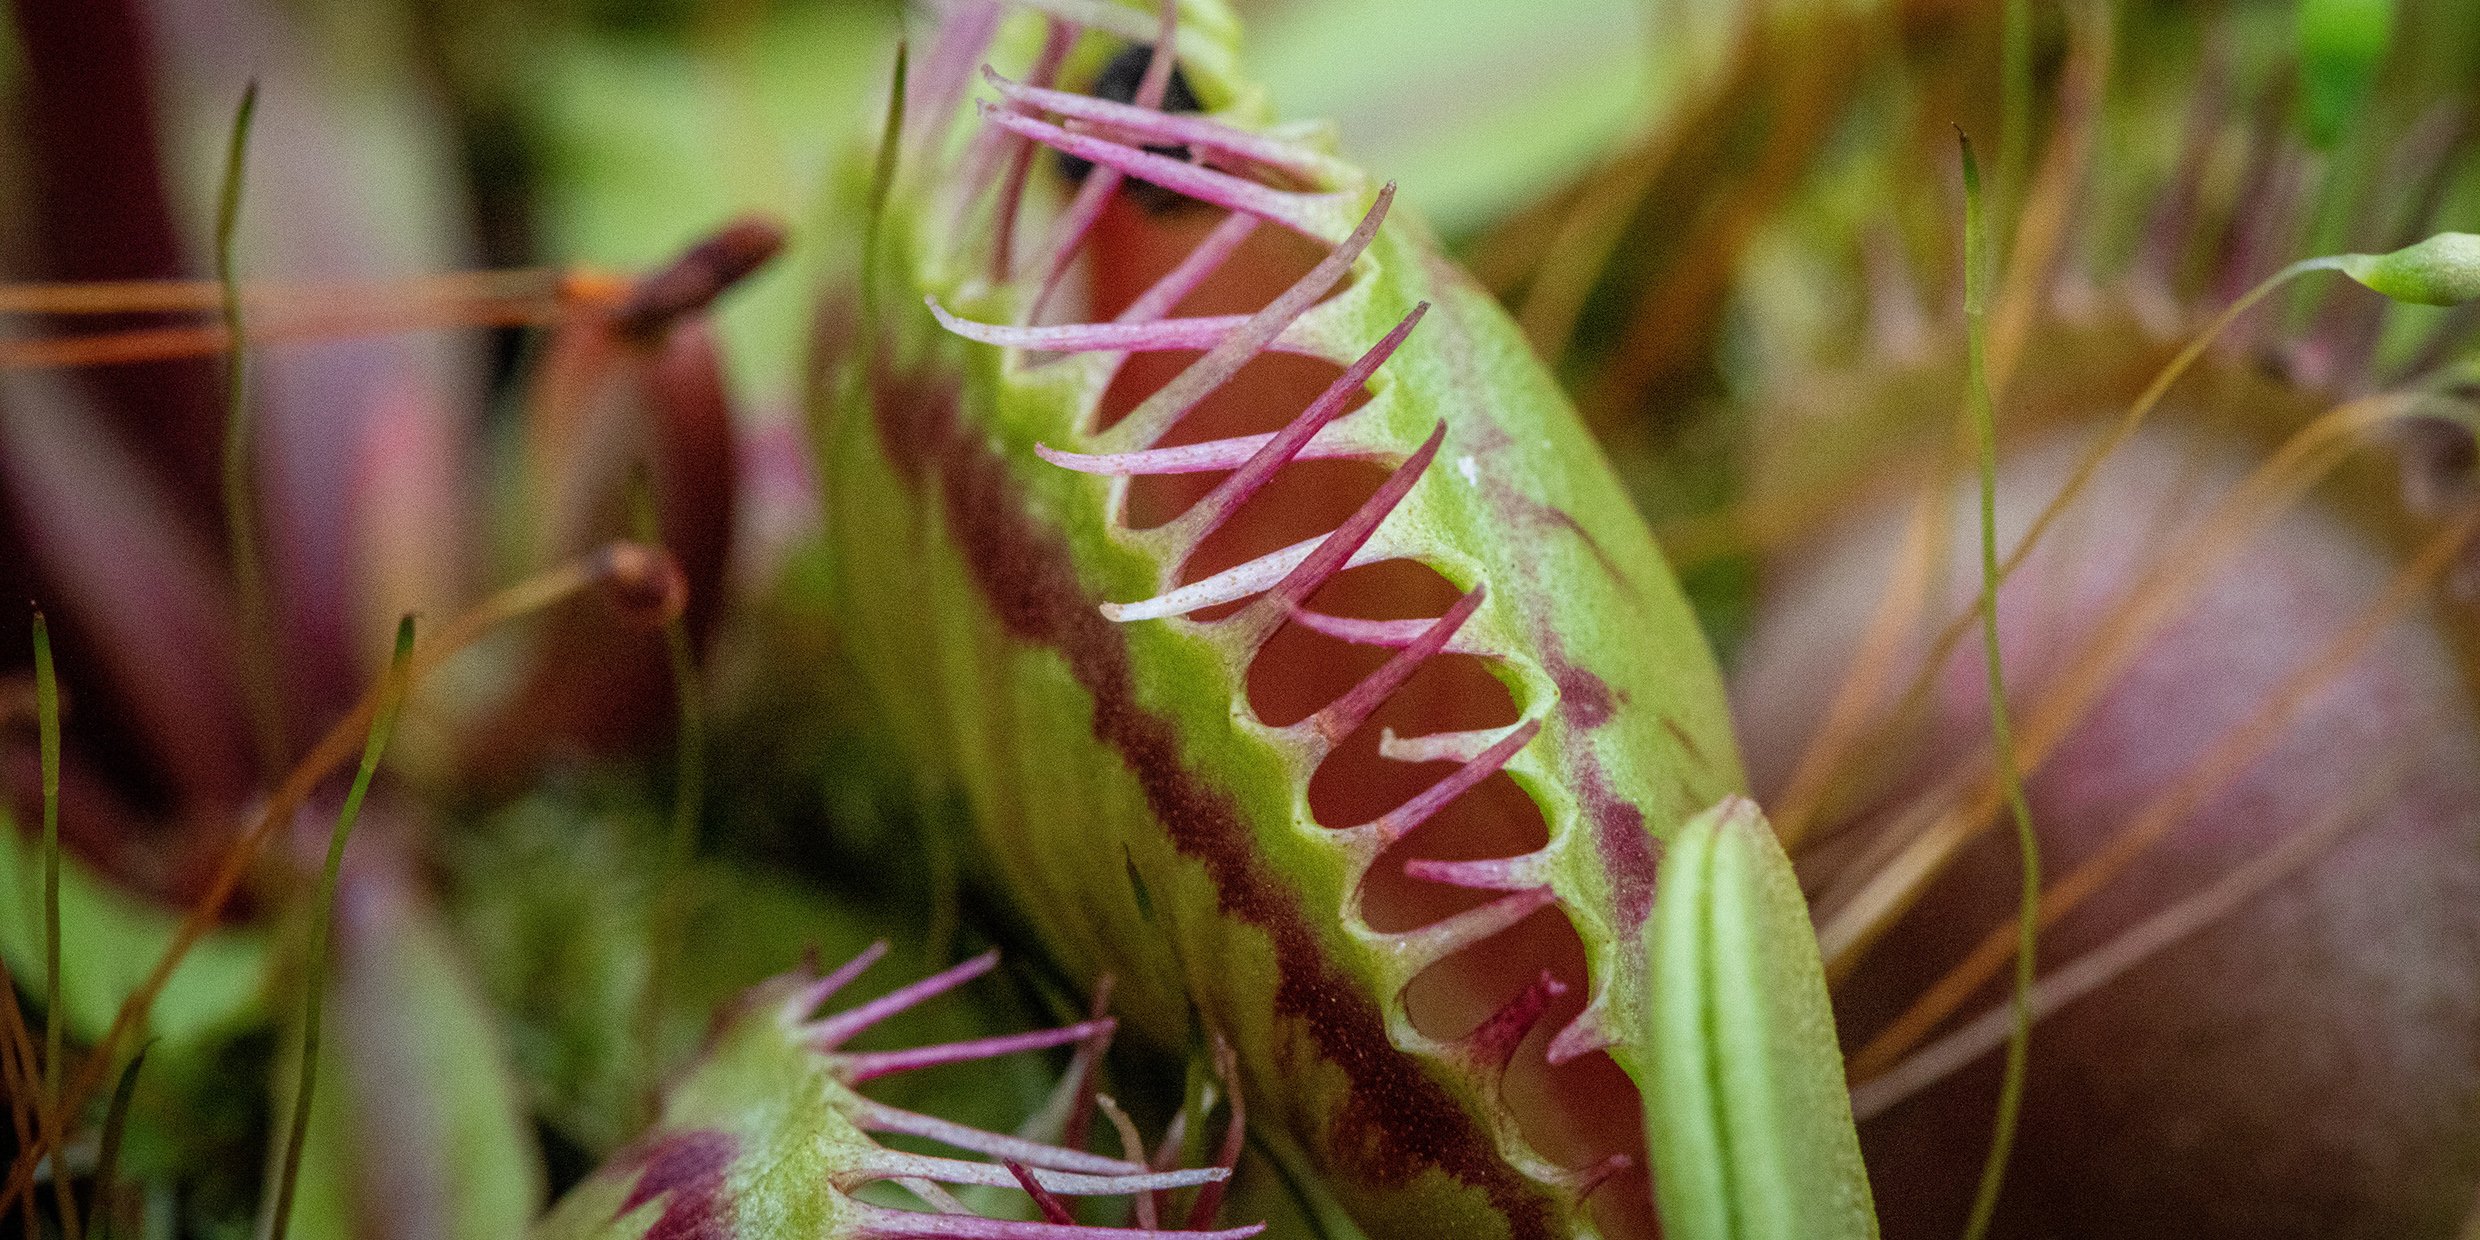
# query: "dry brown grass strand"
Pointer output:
{"type": "Point", "coordinates": [291, 324]}
{"type": "Point", "coordinates": [1852, 712]}
{"type": "Point", "coordinates": [1794, 67]}
{"type": "Point", "coordinates": [1852, 913]}
{"type": "Point", "coordinates": [2096, 968]}
{"type": "Point", "coordinates": [342, 743]}
{"type": "Point", "coordinates": [1813, 66]}
{"type": "Point", "coordinates": [19, 1100]}
{"type": "Point", "coordinates": [1598, 220]}
{"type": "Point", "coordinates": [2042, 226]}
{"type": "Point", "coordinates": [1753, 525]}
{"type": "Point", "coordinates": [1580, 245]}
{"type": "Point", "coordinates": [277, 296]}
{"type": "Point", "coordinates": [2229, 758]}
{"type": "Point", "coordinates": [22, 1074]}
{"type": "Point", "coordinates": [18, 1072]}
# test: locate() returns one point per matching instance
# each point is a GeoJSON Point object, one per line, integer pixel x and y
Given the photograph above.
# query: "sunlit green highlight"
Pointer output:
{"type": "Point", "coordinates": [2341, 45]}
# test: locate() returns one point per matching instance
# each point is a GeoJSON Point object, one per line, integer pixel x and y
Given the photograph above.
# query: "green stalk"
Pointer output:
{"type": "Point", "coordinates": [882, 183]}
{"type": "Point", "coordinates": [391, 697]}
{"type": "Point", "coordinates": [827, 418]}
{"type": "Point", "coordinates": [107, 1163]}
{"type": "Point", "coordinates": [47, 716]}
{"type": "Point", "coordinates": [2028, 915]}
{"type": "Point", "coordinates": [692, 735]}
{"type": "Point", "coordinates": [47, 724]}
{"type": "Point", "coordinates": [853, 395]}
{"type": "Point", "coordinates": [2127, 425]}
{"type": "Point", "coordinates": [688, 794]}
{"type": "Point", "coordinates": [240, 494]}
{"type": "Point", "coordinates": [2442, 270]}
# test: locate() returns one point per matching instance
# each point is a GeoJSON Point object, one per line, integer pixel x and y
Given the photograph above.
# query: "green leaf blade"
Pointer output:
{"type": "Point", "coordinates": [1123, 788]}
{"type": "Point", "coordinates": [1749, 1119]}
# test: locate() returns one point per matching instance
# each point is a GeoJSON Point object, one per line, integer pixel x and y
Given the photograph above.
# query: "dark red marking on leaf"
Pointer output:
{"type": "Point", "coordinates": [1477, 430]}
{"type": "Point", "coordinates": [1542, 517]}
{"type": "Point", "coordinates": [1396, 1121]}
{"type": "Point", "coordinates": [1625, 847]}
{"type": "Point", "coordinates": [685, 1169]}
{"type": "Point", "coordinates": [1584, 698]}
{"type": "Point", "coordinates": [1619, 837]}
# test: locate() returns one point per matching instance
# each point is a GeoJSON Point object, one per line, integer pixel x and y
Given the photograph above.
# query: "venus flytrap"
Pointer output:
{"type": "Point", "coordinates": [768, 1135]}
{"type": "Point", "coordinates": [69, 523]}
{"type": "Point", "coordinates": [1299, 657]}
{"type": "Point", "coordinates": [1300, 663]}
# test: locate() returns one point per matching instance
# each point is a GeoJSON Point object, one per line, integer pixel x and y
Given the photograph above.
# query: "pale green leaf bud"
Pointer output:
{"type": "Point", "coordinates": [2441, 271]}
